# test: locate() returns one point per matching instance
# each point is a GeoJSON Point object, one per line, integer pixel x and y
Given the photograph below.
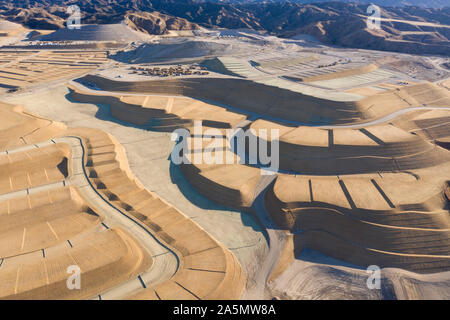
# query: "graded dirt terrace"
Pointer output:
{"type": "Point", "coordinates": [373, 158]}
{"type": "Point", "coordinates": [397, 207]}
{"type": "Point", "coordinates": [49, 226]}
{"type": "Point", "coordinates": [207, 270]}
{"type": "Point", "coordinates": [40, 243]}
{"type": "Point", "coordinates": [88, 178]}
{"type": "Point", "coordinates": [43, 219]}
{"type": "Point", "coordinates": [23, 68]}
{"type": "Point", "coordinates": [234, 185]}
{"type": "Point", "coordinates": [275, 103]}
{"type": "Point", "coordinates": [118, 32]}
{"type": "Point", "coordinates": [361, 166]}
{"type": "Point", "coordinates": [161, 113]}
{"type": "Point", "coordinates": [33, 168]}
{"type": "Point", "coordinates": [377, 148]}
{"type": "Point", "coordinates": [341, 74]}
{"type": "Point", "coordinates": [387, 181]}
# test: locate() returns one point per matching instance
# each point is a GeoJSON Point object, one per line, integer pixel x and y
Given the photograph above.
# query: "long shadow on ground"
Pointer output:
{"type": "Point", "coordinates": [177, 177]}
{"type": "Point", "coordinates": [201, 201]}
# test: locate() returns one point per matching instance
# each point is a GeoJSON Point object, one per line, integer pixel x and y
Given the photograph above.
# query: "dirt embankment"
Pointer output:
{"type": "Point", "coordinates": [283, 104]}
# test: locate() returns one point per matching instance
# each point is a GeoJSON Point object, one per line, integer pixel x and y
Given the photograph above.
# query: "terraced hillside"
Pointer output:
{"type": "Point", "coordinates": [381, 181]}
{"type": "Point", "coordinates": [280, 104]}
{"type": "Point", "coordinates": [381, 201]}
{"type": "Point", "coordinates": [160, 113]}
{"type": "Point", "coordinates": [206, 270]}
{"type": "Point", "coordinates": [387, 209]}
{"type": "Point", "coordinates": [362, 177]}
{"type": "Point", "coordinates": [31, 67]}
{"type": "Point", "coordinates": [68, 198]}
{"type": "Point", "coordinates": [338, 151]}
{"type": "Point", "coordinates": [373, 195]}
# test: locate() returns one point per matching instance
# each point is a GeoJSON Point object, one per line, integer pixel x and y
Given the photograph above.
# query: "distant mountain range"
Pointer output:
{"type": "Point", "coordinates": [383, 3]}
{"type": "Point", "coordinates": [405, 29]}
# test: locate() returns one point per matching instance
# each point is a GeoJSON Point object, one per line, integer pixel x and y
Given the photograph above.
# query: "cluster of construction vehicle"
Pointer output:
{"type": "Point", "coordinates": [170, 71]}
